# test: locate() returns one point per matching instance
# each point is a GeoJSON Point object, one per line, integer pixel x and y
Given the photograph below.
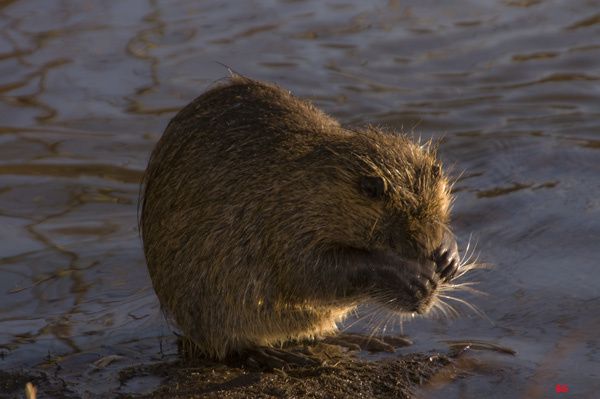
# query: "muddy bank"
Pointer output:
{"type": "Point", "coordinates": [13, 385]}
{"type": "Point", "coordinates": [343, 378]}
{"type": "Point", "coordinates": [342, 375]}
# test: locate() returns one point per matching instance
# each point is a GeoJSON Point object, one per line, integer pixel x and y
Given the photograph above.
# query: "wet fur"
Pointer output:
{"type": "Point", "coordinates": [256, 231]}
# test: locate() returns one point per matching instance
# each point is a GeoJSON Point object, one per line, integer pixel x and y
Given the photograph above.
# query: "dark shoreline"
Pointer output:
{"type": "Point", "coordinates": [342, 375]}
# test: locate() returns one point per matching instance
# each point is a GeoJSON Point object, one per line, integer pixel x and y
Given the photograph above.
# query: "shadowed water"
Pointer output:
{"type": "Point", "coordinates": [511, 88]}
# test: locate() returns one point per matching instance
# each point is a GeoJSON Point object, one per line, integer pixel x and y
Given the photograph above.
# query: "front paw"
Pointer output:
{"type": "Point", "coordinates": [446, 259]}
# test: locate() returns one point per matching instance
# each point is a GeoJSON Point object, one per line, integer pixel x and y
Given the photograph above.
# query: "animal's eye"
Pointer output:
{"type": "Point", "coordinates": [373, 186]}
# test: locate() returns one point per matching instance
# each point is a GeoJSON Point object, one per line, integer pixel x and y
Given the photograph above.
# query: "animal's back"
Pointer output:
{"type": "Point", "coordinates": [223, 159]}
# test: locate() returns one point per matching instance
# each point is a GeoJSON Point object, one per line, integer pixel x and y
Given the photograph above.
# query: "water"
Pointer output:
{"type": "Point", "coordinates": [512, 88]}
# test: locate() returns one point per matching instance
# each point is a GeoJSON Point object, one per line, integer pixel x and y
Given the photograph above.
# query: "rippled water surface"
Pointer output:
{"type": "Point", "coordinates": [512, 89]}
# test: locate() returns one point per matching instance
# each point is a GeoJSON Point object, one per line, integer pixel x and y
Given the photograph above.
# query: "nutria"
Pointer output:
{"type": "Point", "coordinates": [264, 220]}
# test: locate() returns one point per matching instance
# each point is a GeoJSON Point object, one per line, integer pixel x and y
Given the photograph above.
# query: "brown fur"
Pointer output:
{"type": "Point", "coordinates": [256, 229]}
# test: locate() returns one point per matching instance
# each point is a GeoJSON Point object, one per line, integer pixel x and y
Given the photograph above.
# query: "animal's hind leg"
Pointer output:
{"type": "Point", "coordinates": [272, 358]}
{"type": "Point", "coordinates": [368, 343]}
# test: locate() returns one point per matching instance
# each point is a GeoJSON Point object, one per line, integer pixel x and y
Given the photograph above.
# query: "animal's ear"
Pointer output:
{"type": "Point", "coordinates": [373, 186]}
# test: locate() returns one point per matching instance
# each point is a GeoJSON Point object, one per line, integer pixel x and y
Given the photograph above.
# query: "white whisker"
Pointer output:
{"type": "Point", "coordinates": [474, 308]}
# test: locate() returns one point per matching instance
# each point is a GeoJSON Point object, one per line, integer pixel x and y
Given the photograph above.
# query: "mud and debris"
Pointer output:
{"type": "Point", "coordinates": [341, 374]}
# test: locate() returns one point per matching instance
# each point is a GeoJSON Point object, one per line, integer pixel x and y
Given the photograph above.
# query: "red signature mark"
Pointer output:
{"type": "Point", "coordinates": [561, 388]}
